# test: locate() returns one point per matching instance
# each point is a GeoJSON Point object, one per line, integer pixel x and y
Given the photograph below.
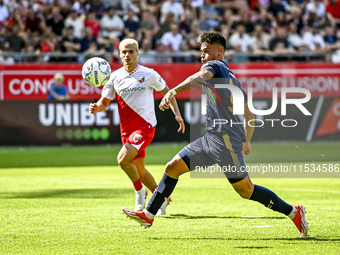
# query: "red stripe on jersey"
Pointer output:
{"type": "Point", "coordinates": [129, 119]}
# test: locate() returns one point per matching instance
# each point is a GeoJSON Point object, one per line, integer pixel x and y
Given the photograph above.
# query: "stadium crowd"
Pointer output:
{"type": "Point", "coordinates": [256, 29]}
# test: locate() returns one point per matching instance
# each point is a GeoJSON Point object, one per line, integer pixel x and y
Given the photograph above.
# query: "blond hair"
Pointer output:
{"type": "Point", "coordinates": [129, 41]}
{"type": "Point", "coordinates": [59, 76]}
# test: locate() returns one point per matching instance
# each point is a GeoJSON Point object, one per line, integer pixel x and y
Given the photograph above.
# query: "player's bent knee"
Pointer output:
{"type": "Point", "coordinates": [244, 193]}
{"type": "Point", "coordinates": [123, 162]}
{"type": "Point", "coordinates": [175, 168]}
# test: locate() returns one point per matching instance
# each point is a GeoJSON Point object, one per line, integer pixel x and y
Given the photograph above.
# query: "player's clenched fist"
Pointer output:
{"type": "Point", "coordinates": [93, 108]}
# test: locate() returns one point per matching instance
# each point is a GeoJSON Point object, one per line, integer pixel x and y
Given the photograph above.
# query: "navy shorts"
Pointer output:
{"type": "Point", "coordinates": [215, 148]}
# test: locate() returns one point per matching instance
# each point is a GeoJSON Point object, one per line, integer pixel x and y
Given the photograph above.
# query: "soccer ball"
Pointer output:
{"type": "Point", "coordinates": [96, 71]}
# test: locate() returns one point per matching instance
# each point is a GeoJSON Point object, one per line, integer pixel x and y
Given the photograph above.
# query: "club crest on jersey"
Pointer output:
{"type": "Point", "coordinates": [141, 79]}
{"type": "Point", "coordinates": [137, 138]}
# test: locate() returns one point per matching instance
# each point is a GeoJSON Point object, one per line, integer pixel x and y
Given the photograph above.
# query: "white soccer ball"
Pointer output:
{"type": "Point", "coordinates": [96, 71]}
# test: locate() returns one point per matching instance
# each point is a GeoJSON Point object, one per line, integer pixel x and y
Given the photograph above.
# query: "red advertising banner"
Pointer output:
{"type": "Point", "coordinates": [32, 82]}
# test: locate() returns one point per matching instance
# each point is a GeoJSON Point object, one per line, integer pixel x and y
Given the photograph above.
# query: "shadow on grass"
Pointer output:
{"type": "Point", "coordinates": [184, 216]}
{"type": "Point", "coordinates": [69, 193]}
{"type": "Point", "coordinates": [300, 239]}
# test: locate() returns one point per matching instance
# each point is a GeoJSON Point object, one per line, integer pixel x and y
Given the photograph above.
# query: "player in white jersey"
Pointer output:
{"type": "Point", "coordinates": [133, 85]}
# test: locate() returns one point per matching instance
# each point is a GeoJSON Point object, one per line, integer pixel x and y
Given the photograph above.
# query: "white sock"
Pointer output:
{"type": "Point", "coordinates": [149, 215]}
{"type": "Point", "coordinates": [140, 191]}
{"type": "Point", "coordinates": [292, 213]}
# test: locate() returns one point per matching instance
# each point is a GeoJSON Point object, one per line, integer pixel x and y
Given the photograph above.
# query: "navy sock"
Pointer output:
{"type": "Point", "coordinates": [165, 187]}
{"type": "Point", "coordinates": [270, 200]}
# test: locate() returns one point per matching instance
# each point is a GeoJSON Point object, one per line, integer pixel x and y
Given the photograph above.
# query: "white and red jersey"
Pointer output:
{"type": "Point", "coordinates": [134, 93]}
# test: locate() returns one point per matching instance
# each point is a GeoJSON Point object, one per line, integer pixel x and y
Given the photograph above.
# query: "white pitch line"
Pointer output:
{"type": "Point", "coordinates": [55, 180]}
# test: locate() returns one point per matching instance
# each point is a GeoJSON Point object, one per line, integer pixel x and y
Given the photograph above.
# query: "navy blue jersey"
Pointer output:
{"type": "Point", "coordinates": [220, 102]}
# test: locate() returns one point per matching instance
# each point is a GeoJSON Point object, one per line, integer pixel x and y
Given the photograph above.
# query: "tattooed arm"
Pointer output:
{"type": "Point", "coordinates": [191, 82]}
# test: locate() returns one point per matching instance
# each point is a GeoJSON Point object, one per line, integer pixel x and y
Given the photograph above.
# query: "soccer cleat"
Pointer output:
{"type": "Point", "coordinates": [162, 210]}
{"type": "Point", "coordinates": [300, 220]}
{"type": "Point", "coordinates": [140, 199]}
{"type": "Point", "coordinates": [140, 217]}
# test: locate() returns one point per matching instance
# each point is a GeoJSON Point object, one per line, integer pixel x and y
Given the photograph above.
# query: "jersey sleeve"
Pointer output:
{"type": "Point", "coordinates": [211, 67]}
{"type": "Point", "coordinates": [157, 82]}
{"type": "Point", "coordinates": [109, 90]}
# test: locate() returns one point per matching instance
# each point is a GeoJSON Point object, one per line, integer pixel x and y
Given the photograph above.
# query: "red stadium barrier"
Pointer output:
{"type": "Point", "coordinates": [31, 82]}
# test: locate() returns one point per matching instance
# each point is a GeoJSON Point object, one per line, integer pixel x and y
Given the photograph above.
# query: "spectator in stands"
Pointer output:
{"type": "Point", "coordinates": [34, 22]}
{"type": "Point", "coordinates": [315, 7]}
{"type": "Point", "coordinates": [313, 39]}
{"type": "Point", "coordinates": [146, 54]}
{"type": "Point", "coordinates": [123, 6]}
{"type": "Point", "coordinates": [70, 44]}
{"type": "Point", "coordinates": [279, 38]}
{"type": "Point", "coordinates": [205, 25]}
{"type": "Point", "coordinates": [266, 20]}
{"type": "Point", "coordinates": [294, 38]}
{"type": "Point", "coordinates": [185, 23]}
{"type": "Point", "coordinates": [330, 37]}
{"type": "Point", "coordinates": [333, 11]}
{"type": "Point", "coordinates": [166, 25]}
{"type": "Point", "coordinates": [76, 22]}
{"type": "Point", "coordinates": [5, 59]}
{"type": "Point", "coordinates": [259, 35]}
{"type": "Point", "coordinates": [33, 55]}
{"type": "Point", "coordinates": [93, 22]}
{"type": "Point", "coordinates": [88, 39]}
{"type": "Point", "coordinates": [98, 7]}
{"type": "Point", "coordinates": [245, 20]}
{"type": "Point", "coordinates": [153, 6]}
{"type": "Point", "coordinates": [149, 21]}
{"type": "Point", "coordinates": [132, 26]}
{"type": "Point", "coordinates": [17, 19]}
{"type": "Point", "coordinates": [56, 21]}
{"type": "Point", "coordinates": [171, 6]}
{"type": "Point", "coordinates": [280, 20]}
{"type": "Point", "coordinates": [227, 22]}
{"type": "Point", "coordinates": [112, 45]}
{"type": "Point", "coordinates": [149, 35]}
{"type": "Point", "coordinates": [275, 7]}
{"type": "Point", "coordinates": [192, 37]}
{"type": "Point", "coordinates": [58, 90]}
{"type": "Point", "coordinates": [35, 40]}
{"type": "Point", "coordinates": [172, 39]}
{"type": "Point", "coordinates": [240, 41]}
{"type": "Point", "coordinates": [296, 18]}
{"type": "Point", "coordinates": [4, 12]}
{"type": "Point", "coordinates": [13, 41]}
{"type": "Point", "coordinates": [47, 44]}
{"type": "Point", "coordinates": [111, 23]}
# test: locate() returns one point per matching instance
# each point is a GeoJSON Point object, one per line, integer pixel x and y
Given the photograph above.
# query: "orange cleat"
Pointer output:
{"type": "Point", "coordinates": [140, 217]}
{"type": "Point", "coordinates": [300, 220]}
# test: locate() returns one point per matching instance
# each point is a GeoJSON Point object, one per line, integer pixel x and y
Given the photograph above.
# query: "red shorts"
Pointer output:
{"type": "Point", "coordinates": [140, 139]}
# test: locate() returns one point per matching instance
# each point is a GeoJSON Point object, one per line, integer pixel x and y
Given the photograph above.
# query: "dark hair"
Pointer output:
{"type": "Point", "coordinates": [212, 38]}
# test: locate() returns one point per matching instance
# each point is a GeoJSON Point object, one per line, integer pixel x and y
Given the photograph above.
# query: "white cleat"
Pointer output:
{"type": "Point", "coordinates": [162, 210]}
{"type": "Point", "coordinates": [140, 199]}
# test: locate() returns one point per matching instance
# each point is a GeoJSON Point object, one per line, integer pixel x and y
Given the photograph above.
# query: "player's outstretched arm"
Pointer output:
{"type": "Point", "coordinates": [175, 110]}
{"type": "Point", "coordinates": [191, 82]}
{"type": "Point", "coordinates": [248, 115]}
{"type": "Point", "coordinates": [100, 106]}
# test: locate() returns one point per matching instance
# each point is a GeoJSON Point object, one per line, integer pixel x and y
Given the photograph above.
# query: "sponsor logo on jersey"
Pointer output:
{"type": "Point", "coordinates": [127, 90]}
{"type": "Point", "coordinates": [137, 138]}
{"type": "Point", "coordinates": [141, 79]}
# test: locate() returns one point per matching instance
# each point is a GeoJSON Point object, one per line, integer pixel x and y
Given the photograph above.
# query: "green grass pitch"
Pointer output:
{"type": "Point", "coordinates": [67, 200]}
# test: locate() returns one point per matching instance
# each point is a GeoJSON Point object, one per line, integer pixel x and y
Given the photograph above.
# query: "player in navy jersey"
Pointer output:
{"type": "Point", "coordinates": [223, 144]}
